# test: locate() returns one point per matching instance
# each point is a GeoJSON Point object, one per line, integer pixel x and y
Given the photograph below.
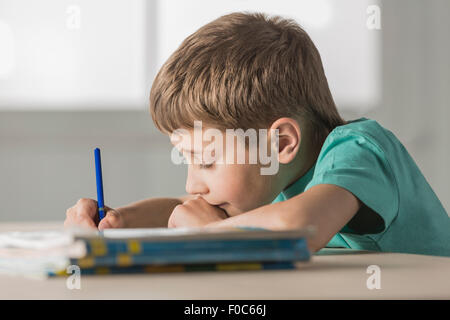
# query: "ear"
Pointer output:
{"type": "Point", "coordinates": [289, 138]}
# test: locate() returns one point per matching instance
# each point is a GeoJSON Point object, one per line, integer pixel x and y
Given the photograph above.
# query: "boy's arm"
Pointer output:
{"type": "Point", "coordinates": [327, 207]}
{"type": "Point", "coordinates": [151, 213]}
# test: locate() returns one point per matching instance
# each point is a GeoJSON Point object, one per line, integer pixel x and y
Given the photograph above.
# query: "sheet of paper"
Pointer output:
{"type": "Point", "coordinates": [35, 239]}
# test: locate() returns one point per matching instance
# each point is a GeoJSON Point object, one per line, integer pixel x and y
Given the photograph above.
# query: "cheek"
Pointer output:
{"type": "Point", "coordinates": [259, 189]}
{"type": "Point", "coordinates": [230, 185]}
{"type": "Point", "coordinates": [243, 187]}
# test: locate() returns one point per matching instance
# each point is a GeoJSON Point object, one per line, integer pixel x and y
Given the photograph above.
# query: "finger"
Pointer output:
{"type": "Point", "coordinates": [175, 215]}
{"type": "Point", "coordinates": [84, 222]}
{"type": "Point", "coordinates": [111, 220]}
{"type": "Point", "coordinates": [87, 223]}
{"type": "Point", "coordinates": [74, 219]}
{"type": "Point", "coordinates": [170, 224]}
{"type": "Point", "coordinates": [87, 207]}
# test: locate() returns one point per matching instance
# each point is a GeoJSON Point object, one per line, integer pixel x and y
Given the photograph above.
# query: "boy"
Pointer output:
{"type": "Point", "coordinates": [353, 181]}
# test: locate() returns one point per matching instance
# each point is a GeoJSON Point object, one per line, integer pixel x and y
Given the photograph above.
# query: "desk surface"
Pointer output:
{"type": "Point", "coordinates": [335, 274]}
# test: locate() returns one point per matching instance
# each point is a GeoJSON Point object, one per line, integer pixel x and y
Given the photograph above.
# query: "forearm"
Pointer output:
{"type": "Point", "coordinates": [326, 207]}
{"type": "Point", "coordinates": [275, 216]}
{"type": "Point", "coordinates": [148, 213]}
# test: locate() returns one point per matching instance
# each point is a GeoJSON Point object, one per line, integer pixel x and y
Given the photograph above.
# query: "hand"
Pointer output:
{"type": "Point", "coordinates": [85, 214]}
{"type": "Point", "coordinates": [195, 213]}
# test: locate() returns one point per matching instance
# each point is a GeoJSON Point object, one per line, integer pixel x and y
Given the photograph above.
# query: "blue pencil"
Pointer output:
{"type": "Point", "coordinates": [98, 174]}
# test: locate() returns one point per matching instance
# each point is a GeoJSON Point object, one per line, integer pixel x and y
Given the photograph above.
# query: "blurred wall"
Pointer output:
{"type": "Point", "coordinates": [416, 85]}
{"type": "Point", "coordinates": [47, 161]}
{"type": "Point", "coordinates": [46, 158]}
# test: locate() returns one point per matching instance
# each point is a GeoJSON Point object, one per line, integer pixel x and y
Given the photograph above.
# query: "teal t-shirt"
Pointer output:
{"type": "Point", "coordinates": [400, 211]}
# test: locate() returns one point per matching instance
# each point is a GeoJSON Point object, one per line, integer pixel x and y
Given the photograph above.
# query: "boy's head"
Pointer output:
{"type": "Point", "coordinates": [248, 71]}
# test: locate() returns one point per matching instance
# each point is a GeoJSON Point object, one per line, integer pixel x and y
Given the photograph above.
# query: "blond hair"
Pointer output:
{"type": "Point", "coordinates": [244, 70]}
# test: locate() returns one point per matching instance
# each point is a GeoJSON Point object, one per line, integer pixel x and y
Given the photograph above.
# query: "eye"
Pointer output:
{"type": "Point", "coordinates": [206, 166]}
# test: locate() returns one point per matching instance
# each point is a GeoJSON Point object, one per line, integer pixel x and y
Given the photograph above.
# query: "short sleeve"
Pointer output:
{"type": "Point", "coordinates": [356, 163]}
{"type": "Point", "coordinates": [279, 198]}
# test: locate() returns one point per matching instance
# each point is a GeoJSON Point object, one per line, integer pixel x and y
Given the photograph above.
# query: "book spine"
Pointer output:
{"type": "Point", "coordinates": [101, 247]}
{"type": "Point", "coordinates": [248, 266]}
{"type": "Point", "coordinates": [300, 254]}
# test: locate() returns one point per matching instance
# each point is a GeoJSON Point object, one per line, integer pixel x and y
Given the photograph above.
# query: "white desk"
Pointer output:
{"type": "Point", "coordinates": [338, 274]}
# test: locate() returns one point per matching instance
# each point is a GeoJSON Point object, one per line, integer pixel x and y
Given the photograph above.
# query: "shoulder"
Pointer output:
{"type": "Point", "coordinates": [362, 129]}
{"type": "Point", "coordinates": [357, 149]}
{"type": "Point", "coordinates": [357, 138]}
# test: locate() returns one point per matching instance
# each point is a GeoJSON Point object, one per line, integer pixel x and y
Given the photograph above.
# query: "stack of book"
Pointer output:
{"type": "Point", "coordinates": [59, 253]}
{"type": "Point", "coordinates": [190, 249]}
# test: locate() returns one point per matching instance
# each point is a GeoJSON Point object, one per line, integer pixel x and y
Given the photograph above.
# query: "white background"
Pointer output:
{"type": "Point", "coordinates": [96, 55]}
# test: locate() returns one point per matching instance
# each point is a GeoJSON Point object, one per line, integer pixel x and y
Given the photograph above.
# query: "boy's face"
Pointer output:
{"type": "Point", "coordinates": [234, 187]}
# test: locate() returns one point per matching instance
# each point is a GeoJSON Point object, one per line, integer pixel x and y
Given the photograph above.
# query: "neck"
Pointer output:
{"type": "Point", "coordinates": [305, 160]}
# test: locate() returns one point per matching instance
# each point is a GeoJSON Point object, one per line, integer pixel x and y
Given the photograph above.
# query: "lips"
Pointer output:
{"type": "Point", "coordinates": [222, 206]}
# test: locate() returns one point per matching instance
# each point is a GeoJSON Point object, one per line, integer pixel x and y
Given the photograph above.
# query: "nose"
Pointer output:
{"type": "Point", "coordinates": [194, 183]}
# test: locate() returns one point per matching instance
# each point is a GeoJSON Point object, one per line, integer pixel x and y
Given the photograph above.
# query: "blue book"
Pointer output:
{"type": "Point", "coordinates": [158, 246]}
{"type": "Point", "coordinates": [241, 266]}
{"type": "Point", "coordinates": [102, 247]}
{"type": "Point", "coordinates": [299, 253]}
